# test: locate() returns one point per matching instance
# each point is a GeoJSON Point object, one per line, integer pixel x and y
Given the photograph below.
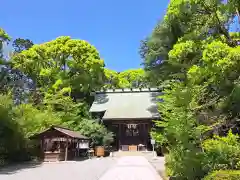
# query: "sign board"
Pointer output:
{"type": "Point", "coordinates": [152, 141]}
{"type": "Point", "coordinates": [83, 145]}
{"type": "Point", "coordinates": [132, 126]}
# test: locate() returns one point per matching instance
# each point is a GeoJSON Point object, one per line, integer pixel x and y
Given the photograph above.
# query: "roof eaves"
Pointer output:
{"type": "Point", "coordinates": [143, 118]}
{"type": "Point", "coordinates": [128, 90]}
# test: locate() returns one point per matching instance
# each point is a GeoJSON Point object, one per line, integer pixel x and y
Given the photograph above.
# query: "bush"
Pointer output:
{"type": "Point", "coordinates": [11, 137]}
{"type": "Point", "coordinates": [222, 153]}
{"type": "Point", "coordinates": [184, 164]}
{"type": "Point", "coordinates": [224, 175]}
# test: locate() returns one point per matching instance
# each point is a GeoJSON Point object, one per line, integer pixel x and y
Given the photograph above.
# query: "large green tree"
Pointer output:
{"type": "Point", "coordinates": [111, 79]}
{"type": "Point", "coordinates": [199, 72]}
{"type": "Point", "coordinates": [55, 71]}
{"type": "Point", "coordinates": [71, 62]}
{"type": "Point", "coordinates": [131, 78]}
{"type": "Point", "coordinates": [187, 20]}
{"type": "Point", "coordinates": [11, 79]}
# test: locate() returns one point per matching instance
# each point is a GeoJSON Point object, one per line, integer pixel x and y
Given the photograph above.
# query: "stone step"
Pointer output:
{"type": "Point", "coordinates": [132, 153]}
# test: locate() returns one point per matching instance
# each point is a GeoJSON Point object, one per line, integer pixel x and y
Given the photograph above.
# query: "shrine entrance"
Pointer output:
{"type": "Point", "coordinates": [130, 135]}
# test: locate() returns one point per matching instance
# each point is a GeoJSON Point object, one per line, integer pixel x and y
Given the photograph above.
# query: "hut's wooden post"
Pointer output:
{"type": "Point", "coordinates": [66, 150]}
{"type": "Point", "coordinates": [41, 144]}
{"type": "Point", "coordinates": [78, 148]}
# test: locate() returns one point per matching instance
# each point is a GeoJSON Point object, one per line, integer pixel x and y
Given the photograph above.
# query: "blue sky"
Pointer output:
{"type": "Point", "coordinates": [115, 28]}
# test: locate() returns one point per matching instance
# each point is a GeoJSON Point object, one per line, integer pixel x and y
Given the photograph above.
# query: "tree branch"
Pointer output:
{"type": "Point", "coordinates": [221, 28]}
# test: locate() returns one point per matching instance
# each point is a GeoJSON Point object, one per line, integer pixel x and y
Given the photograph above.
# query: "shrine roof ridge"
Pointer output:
{"type": "Point", "coordinates": [127, 90]}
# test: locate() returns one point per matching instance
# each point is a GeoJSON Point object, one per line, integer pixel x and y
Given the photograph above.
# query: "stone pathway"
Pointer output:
{"type": "Point", "coordinates": [131, 168]}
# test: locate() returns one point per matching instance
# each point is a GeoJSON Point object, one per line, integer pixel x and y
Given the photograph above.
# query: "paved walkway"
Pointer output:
{"type": "Point", "coordinates": [123, 168]}
{"type": "Point", "coordinates": [131, 168]}
{"type": "Point", "coordinates": [91, 169]}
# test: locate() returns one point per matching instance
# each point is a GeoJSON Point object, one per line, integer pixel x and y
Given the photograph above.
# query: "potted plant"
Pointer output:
{"type": "Point", "coordinates": [107, 140]}
{"type": "Point", "coordinates": [99, 151]}
{"type": "Point", "coordinates": [102, 143]}
{"type": "Point", "coordinates": [99, 148]}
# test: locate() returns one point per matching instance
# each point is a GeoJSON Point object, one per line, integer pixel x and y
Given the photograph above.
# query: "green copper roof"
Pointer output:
{"type": "Point", "coordinates": [127, 103]}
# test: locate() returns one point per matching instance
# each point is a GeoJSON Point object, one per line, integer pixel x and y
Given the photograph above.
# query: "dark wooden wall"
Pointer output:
{"type": "Point", "coordinates": [124, 136]}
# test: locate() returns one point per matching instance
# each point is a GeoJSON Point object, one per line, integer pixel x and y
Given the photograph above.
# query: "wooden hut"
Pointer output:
{"type": "Point", "coordinates": [58, 143]}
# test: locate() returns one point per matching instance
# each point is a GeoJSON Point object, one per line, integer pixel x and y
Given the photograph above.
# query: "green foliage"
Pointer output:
{"type": "Point", "coordinates": [159, 137]}
{"type": "Point", "coordinates": [198, 68]}
{"type": "Point", "coordinates": [111, 79]}
{"type": "Point", "coordinates": [132, 78]}
{"type": "Point", "coordinates": [98, 133]}
{"type": "Point", "coordinates": [206, 96]}
{"type": "Point", "coordinates": [154, 51]}
{"type": "Point", "coordinates": [58, 69]}
{"type": "Point", "coordinates": [179, 132]}
{"type": "Point", "coordinates": [20, 44]}
{"type": "Point", "coordinates": [193, 20]}
{"type": "Point", "coordinates": [223, 175]}
{"type": "Point", "coordinates": [222, 152]}
{"type": "Point", "coordinates": [74, 62]}
{"type": "Point", "coordinates": [11, 136]}
{"type": "Point", "coordinates": [3, 39]}
{"type": "Point", "coordinates": [32, 120]}
{"type": "Point", "coordinates": [4, 36]}
{"type": "Point", "coordinates": [76, 117]}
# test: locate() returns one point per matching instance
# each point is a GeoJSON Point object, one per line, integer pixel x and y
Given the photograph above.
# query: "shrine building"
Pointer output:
{"type": "Point", "coordinates": [129, 114]}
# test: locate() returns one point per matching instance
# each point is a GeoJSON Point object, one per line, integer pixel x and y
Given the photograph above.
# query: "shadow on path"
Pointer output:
{"type": "Point", "coordinates": [14, 168]}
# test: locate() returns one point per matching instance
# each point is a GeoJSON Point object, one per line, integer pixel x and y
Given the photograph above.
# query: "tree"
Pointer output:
{"type": "Point", "coordinates": [33, 121]}
{"type": "Point", "coordinates": [11, 136]}
{"type": "Point", "coordinates": [186, 20]}
{"type": "Point", "coordinates": [10, 79]}
{"type": "Point", "coordinates": [15, 81]}
{"type": "Point", "coordinates": [132, 78]}
{"type": "Point", "coordinates": [111, 79]}
{"type": "Point", "coordinates": [4, 38]}
{"type": "Point", "coordinates": [154, 50]}
{"type": "Point", "coordinates": [20, 44]}
{"type": "Point", "coordinates": [74, 62]}
{"type": "Point", "coordinates": [200, 80]}
{"type": "Point", "coordinates": [43, 79]}
{"type": "Point", "coordinates": [75, 116]}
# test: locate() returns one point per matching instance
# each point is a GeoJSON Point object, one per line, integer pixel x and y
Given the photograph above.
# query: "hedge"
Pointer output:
{"type": "Point", "coordinates": [224, 175]}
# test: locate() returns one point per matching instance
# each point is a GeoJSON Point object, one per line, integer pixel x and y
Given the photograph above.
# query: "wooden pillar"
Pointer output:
{"type": "Point", "coordinates": [119, 135]}
{"type": "Point", "coordinates": [66, 150]}
{"type": "Point", "coordinates": [74, 148]}
{"type": "Point", "coordinates": [146, 135]}
{"type": "Point", "coordinates": [42, 144]}
{"type": "Point", "coordinates": [42, 148]}
{"type": "Point", "coordinates": [78, 152]}
{"type": "Point", "coordinates": [143, 134]}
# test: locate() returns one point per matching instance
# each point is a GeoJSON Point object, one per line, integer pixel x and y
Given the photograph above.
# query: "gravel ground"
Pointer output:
{"type": "Point", "coordinates": [91, 169]}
